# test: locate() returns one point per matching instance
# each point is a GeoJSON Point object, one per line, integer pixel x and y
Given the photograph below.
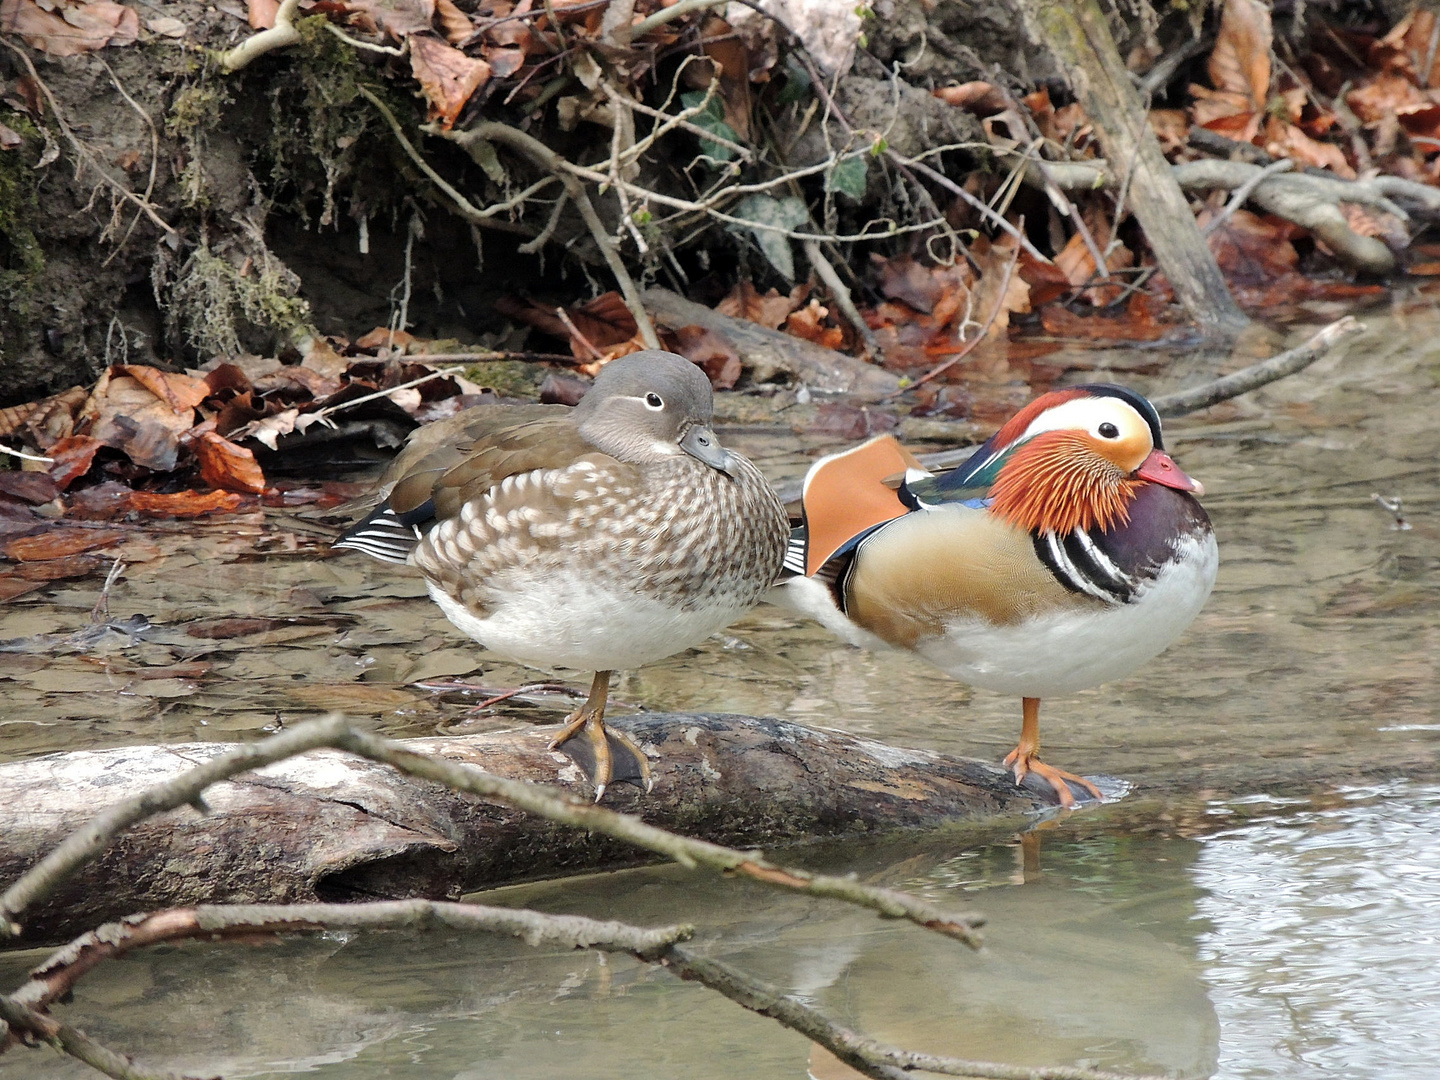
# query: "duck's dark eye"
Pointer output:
{"type": "Point", "coordinates": [654, 401]}
{"type": "Point", "coordinates": [1109, 431]}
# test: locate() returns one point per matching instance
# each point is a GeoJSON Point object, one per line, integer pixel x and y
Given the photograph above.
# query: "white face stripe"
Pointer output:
{"type": "Point", "coordinates": [1087, 414]}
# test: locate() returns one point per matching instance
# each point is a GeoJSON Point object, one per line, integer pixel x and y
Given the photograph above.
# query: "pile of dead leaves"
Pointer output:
{"type": "Point", "coordinates": [182, 444]}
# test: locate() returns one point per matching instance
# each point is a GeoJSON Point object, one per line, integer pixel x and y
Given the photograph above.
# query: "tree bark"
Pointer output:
{"type": "Point", "coordinates": [327, 826]}
{"type": "Point", "coordinates": [1077, 33]}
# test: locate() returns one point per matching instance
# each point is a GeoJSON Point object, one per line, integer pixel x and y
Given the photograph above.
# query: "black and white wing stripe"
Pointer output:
{"type": "Point", "coordinates": [383, 535]}
{"type": "Point", "coordinates": [797, 551]}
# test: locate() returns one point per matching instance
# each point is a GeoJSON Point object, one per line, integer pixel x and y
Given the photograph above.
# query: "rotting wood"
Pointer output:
{"type": "Point", "coordinates": [329, 826]}
{"type": "Point", "coordinates": [1079, 35]}
{"type": "Point", "coordinates": [764, 352]}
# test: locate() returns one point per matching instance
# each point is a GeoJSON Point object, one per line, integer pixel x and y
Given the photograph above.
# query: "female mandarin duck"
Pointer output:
{"type": "Point", "coordinates": [602, 537]}
{"type": "Point", "coordinates": [1069, 550]}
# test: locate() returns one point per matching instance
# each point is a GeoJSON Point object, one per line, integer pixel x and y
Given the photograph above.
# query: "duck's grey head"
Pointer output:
{"type": "Point", "coordinates": [651, 405]}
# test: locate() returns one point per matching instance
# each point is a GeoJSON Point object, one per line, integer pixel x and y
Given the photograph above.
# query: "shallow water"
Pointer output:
{"type": "Point", "coordinates": [1267, 903]}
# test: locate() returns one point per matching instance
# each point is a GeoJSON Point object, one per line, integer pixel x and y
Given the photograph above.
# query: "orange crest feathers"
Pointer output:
{"type": "Point", "coordinates": [1057, 483]}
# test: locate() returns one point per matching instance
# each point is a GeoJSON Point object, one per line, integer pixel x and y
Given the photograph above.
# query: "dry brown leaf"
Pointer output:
{"type": "Point", "coordinates": [513, 32]}
{"type": "Point", "coordinates": [732, 59]}
{"type": "Point", "coordinates": [1077, 263]}
{"type": "Point", "coordinates": [131, 418]}
{"type": "Point", "coordinates": [84, 27]}
{"type": "Point", "coordinates": [1367, 221]}
{"type": "Point", "coordinates": [808, 323]}
{"type": "Point", "coordinates": [72, 457]}
{"type": "Point", "coordinates": [227, 466]}
{"type": "Point", "coordinates": [769, 310]}
{"type": "Point", "coordinates": [1287, 140]}
{"type": "Point", "coordinates": [10, 139]}
{"type": "Point", "coordinates": [382, 337]}
{"type": "Point", "coordinates": [447, 76]}
{"type": "Point", "coordinates": [323, 358]}
{"type": "Point", "coordinates": [289, 378]}
{"type": "Point", "coordinates": [1384, 96]}
{"type": "Point", "coordinates": [1408, 42]}
{"type": "Point", "coordinates": [1171, 127]}
{"type": "Point", "coordinates": [504, 60]}
{"type": "Point", "coordinates": [1225, 112]}
{"type": "Point", "coordinates": [399, 18]}
{"type": "Point", "coordinates": [184, 504]}
{"type": "Point", "coordinates": [181, 392]}
{"type": "Point", "coordinates": [924, 288]}
{"type": "Point", "coordinates": [31, 487]}
{"type": "Point", "coordinates": [455, 24]}
{"type": "Point", "coordinates": [59, 543]}
{"type": "Point", "coordinates": [1240, 61]}
{"type": "Point", "coordinates": [712, 352]}
{"type": "Point", "coordinates": [981, 98]}
{"type": "Point", "coordinates": [269, 429]}
{"type": "Point", "coordinates": [988, 298]}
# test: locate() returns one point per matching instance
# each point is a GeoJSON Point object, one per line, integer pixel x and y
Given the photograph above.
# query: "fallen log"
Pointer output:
{"type": "Point", "coordinates": [765, 351]}
{"type": "Point", "coordinates": [328, 826]}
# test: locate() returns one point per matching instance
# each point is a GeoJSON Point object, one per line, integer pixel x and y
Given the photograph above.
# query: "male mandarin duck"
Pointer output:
{"type": "Point", "coordinates": [602, 537]}
{"type": "Point", "coordinates": [1069, 550]}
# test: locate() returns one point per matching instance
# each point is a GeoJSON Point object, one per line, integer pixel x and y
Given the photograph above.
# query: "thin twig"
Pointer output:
{"type": "Point", "coordinates": [77, 1044]}
{"type": "Point", "coordinates": [356, 43]}
{"type": "Point", "coordinates": [843, 299]}
{"type": "Point", "coordinates": [56, 978]}
{"type": "Point", "coordinates": [545, 158]}
{"type": "Point", "coordinates": [1257, 375]}
{"type": "Point", "coordinates": [575, 332]}
{"type": "Point", "coordinates": [466, 208]}
{"type": "Point", "coordinates": [665, 15]}
{"type": "Point", "coordinates": [154, 160]}
{"type": "Point", "coordinates": [320, 414]}
{"type": "Point", "coordinates": [873, 1058]}
{"type": "Point", "coordinates": [26, 457]}
{"type": "Point", "coordinates": [333, 731]}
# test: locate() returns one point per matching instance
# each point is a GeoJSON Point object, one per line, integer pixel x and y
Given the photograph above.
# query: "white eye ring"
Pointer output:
{"type": "Point", "coordinates": [654, 401]}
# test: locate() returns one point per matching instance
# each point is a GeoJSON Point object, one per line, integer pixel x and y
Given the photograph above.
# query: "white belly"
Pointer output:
{"type": "Point", "coordinates": [576, 623]}
{"type": "Point", "coordinates": [1075, 650]}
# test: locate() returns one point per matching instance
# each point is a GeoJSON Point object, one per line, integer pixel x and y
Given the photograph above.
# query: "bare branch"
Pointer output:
{"type": "Point", "coordinates": [548, 160]}
{"type": "Point", "coordinates": [77, 1044]}
{"type": "Point", "coordinates": [1257, 375]}
{"type": "Point", "coordinates": [87, 842]}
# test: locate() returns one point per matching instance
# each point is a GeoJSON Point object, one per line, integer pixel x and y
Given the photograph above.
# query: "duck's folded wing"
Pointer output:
{"type": "Point", "coordinates": [446, 463]}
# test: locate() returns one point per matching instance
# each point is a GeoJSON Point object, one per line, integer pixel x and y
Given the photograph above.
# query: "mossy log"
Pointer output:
{"type": "Point", "coordinates": [329, 826]}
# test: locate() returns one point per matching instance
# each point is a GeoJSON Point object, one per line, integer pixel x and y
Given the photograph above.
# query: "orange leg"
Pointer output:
{"type": "Point", "coordinates": [604, 755]}
{"type": "Point", "coordinates": [1025, 758]}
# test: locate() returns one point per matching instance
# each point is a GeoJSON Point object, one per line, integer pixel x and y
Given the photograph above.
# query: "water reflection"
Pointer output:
{"type": "Point", "coordinates": [1323, 953]}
